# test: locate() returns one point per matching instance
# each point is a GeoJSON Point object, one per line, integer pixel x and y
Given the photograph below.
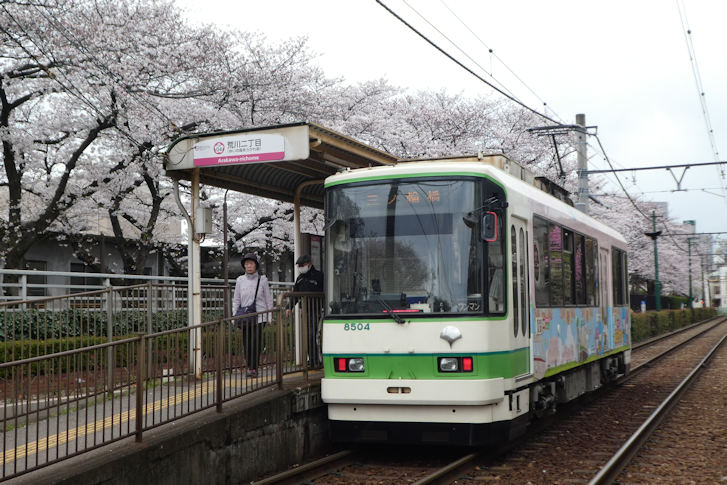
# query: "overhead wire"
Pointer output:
{"type": "Point", "coordinates": [493, 54]}
{"type": "Point", "coordinates": [456, 46]}
{"type": "Point", "coordinates": [700, 87]}
{"type": "Point", "coordinates": [466, 68]}
{"type": "Point", "coordinates": [699, 189]}
{"type": "Point", "coordinates": [509, 96]}
{"type": "Point", "coordinates": [665, 219]}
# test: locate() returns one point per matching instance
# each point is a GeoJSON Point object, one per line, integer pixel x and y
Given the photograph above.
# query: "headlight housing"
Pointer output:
{"type": "Point", "coordinates": [448, 364]}
{"type": "Point", "coordinates": [356, 364]}
{"type": "Point", "coordinates": [455, 364]}
{"type": "Point", "coordinates": [349, 364]}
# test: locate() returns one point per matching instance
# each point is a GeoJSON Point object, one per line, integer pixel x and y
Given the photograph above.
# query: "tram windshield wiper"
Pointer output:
{"type": "Point", "coordinates": [387, 309]}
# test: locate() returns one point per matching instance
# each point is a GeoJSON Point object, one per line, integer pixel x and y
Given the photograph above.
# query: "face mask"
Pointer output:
{"type": "Point", "coordinates": [303, 269]}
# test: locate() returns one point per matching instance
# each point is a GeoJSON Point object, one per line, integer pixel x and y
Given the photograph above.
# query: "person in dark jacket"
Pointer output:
{"type": "Point", "coordinates": [310, 280]}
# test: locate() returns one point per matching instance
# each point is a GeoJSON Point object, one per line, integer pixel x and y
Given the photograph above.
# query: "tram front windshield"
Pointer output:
{"type": "Point", "coordinates": [413, 246]}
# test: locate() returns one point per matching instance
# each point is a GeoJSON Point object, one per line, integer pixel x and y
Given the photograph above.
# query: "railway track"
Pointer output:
{"type": "Point", "coordinates": [372, 465]}
{"type": "Point", "coordinates": [572, 447]}
{"type": "Point", "coordinates": [579, 443]}
{"type": "Point", "coordinates": [671, 440]}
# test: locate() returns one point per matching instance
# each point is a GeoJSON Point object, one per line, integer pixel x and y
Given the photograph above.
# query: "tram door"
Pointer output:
{"type": "Point", "coordinates": [519, 244]}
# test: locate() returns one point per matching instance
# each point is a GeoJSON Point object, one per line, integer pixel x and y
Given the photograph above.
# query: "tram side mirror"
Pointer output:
{"type": "Point", "coordinates": [489, 226]}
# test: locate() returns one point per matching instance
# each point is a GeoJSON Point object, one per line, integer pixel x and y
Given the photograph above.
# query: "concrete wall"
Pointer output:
{"type": "Point", "coordinates": [254, 436]}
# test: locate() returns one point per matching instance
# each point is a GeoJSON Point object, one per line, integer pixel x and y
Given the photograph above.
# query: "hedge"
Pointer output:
{"type": "Point", "coordinates": [166, 348]}
{"type": "Point", "coordinates": [46, 324]}
{"type": "Point", "coordinates": [651, 324]}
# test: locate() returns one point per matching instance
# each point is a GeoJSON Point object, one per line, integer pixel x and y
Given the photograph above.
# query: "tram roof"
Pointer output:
{"type": "Point", "coordinates": [271, 161]}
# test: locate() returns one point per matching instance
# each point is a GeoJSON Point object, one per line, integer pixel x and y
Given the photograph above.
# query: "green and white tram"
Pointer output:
{"type": "Point", "coordinates": [462, 300]}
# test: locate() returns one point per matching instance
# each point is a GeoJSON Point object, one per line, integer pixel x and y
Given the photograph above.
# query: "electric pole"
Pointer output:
{"type": "Point", "coordinates": [691, 299]}
{"type": "Point", "coordinates": [653, 235]}
{"type": "Point", "coordinates": [582, 151]}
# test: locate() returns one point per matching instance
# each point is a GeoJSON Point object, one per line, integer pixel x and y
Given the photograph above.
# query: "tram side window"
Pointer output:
{"type": "Point", "coordinates": [496, 270]}
{"type": "Point", "coordinates": [565, 266]}
{"type": "Point", "coordinates": [568, 274]}
{"type": "Point", "coordinates": [514, 279]}
{"type": "Point", "coordinates": [555, 252]}
{"type": "Point", "coordinates": [618, 261]}
{"type": "Point", "coordinates": [541, 262]}
{"type": "Point", "coordinates": [591, 272]}
{"type": "Point", "coordinates": [579, 270]}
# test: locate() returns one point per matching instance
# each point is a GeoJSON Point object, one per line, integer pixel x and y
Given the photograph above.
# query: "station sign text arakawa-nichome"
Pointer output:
{"type": "Point", "coordinates": [247, 148]}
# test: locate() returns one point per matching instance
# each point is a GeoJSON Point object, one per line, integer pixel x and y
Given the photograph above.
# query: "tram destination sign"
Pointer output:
{"type": "Point", "coordinates": [239, 149]}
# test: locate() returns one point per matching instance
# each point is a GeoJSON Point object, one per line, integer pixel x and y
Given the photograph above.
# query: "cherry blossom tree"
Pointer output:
{"type": "Point", "coordinates": [90, 90]}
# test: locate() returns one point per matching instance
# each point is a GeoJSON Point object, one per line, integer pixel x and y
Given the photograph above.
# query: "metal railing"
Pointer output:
{"type": "Point", "coordinates": [75, 399]}
{"type": "Point", "coordinates": [50, 324]}
{"type": "Point", "coordinates": [58, 283]}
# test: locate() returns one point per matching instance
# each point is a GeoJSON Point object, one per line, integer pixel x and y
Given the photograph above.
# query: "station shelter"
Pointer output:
{"type": "Point", "coordinates": [284, 162]}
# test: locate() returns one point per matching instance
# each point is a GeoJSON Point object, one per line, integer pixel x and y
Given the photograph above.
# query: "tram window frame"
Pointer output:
{"type": "Point", "coordinates": [579, 267]}
{"type": "Point", "coordinates": [541, 262]}
{"type": "Point", "coordinates": [618, 276]}
{"type": "Point", "coordinates": [548, 294]}
{"type": "Point", "coordinates": [555, 254]}
{"type": "Point", "coordinates": [496, 290]}
{"type": "Point", "coordinates": [514, 280]}
{"type": "Point", "coordinates": [592, 298]}
{"type": "Point", "coordinates": [568, 268]}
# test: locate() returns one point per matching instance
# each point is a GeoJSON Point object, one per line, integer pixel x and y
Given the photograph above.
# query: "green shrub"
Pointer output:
{"type": "Point", "coordinates": [651, 324]}
{"type": "Point", "coordinates": [41, 324]}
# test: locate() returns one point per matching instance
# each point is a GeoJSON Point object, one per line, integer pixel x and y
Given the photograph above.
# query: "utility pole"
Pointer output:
{"type": "Point", "coordinates": [653, 235]}
{"type": "Point", "coordinates": [689, 245]}
{"type": "Point", "coordinates": [582, 151]}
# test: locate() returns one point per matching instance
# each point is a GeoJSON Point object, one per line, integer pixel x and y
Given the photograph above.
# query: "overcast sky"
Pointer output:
{"type": "Point", "coordinates": [625, 64]}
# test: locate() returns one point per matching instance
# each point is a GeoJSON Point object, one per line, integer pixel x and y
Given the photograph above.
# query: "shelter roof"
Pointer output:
{"type": "Point", "coordinates": [271, 161]}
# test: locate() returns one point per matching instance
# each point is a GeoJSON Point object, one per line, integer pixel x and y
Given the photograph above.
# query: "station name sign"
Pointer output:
{"type": "Point", "coordinates": [239, 149]}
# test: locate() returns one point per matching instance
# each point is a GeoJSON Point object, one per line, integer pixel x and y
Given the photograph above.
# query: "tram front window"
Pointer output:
{"type": "Point", "coordinates": [407, 246]}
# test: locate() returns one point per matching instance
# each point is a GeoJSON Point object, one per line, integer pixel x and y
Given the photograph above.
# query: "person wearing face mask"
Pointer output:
{"type": "Point", "coordinates": [309, 280]}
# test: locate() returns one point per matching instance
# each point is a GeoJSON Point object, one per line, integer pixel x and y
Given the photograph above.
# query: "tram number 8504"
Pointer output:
{"type": "Point", "coordinates": [355, 327]}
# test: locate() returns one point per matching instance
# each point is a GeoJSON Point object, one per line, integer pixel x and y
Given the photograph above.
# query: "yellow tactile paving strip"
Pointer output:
{"type": "Point", "coordinates": [73, 434]}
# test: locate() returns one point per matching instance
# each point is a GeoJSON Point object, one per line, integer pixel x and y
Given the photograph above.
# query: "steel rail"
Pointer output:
{"type": "Point", "coordinates": [309, 470]}
{"type": "Point", "coordinates": [624, 455]}
{"type": "Point", "coordinates": [448, 472]}
{"type": "Point", "coordinates": [637, 370]}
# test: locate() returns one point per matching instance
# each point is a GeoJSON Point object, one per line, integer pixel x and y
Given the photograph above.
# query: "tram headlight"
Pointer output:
{"type": "Point", "coordinates": [456, 364]}
{"type": "Point", "coordinates": [448, 364]}
{"type": "Point", "coordinates": [349, 364]}
{"type": "Point", "coordinates": [356, 364]}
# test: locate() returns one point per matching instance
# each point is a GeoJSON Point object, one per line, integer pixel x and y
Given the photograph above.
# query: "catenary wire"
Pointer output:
{"type": "Point", "coordinates": [457, 47]}
{"type": "Point", "coordinates": [493, 54]}
{"type": "Point", "coordinates": [618, 179]}
{"type": "Point", "coordinates": [433, 44]}
{"type": "Point", "coordinates": [700, 87]}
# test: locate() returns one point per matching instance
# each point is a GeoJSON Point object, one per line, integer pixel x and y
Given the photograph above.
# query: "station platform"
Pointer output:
{"type": "Point", "coordinates": [259, 433]}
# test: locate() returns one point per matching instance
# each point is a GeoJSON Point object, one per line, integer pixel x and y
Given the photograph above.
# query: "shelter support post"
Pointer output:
{"type": "Point", "coordinates": [299, 335]}
{"type": "Point", "coordinates": [196, 310]}
{"type": "Point", "coordinates": [194, 302]}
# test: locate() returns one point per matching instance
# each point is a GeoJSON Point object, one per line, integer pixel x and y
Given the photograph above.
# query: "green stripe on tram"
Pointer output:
{"type": "Point", "coordinates": [490, 365]}
{"type": "Point", "coordinates": [419, 319]}
{"type": "Point", "coordinates": [413, 175]}
{"type": "Point", "coordinates": [572, 365]}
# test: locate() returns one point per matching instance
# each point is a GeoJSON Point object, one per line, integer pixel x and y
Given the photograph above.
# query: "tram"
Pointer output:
{"type": "Point", "coordinates": [464, 298]}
